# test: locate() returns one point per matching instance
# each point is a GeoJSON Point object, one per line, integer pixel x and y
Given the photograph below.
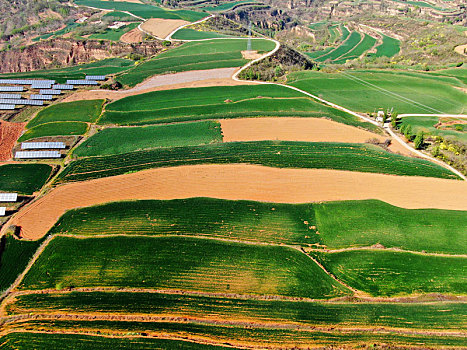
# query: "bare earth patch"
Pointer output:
{"type": "Point", "coordinates": [160, 27]}
{"type": "Point", "coordinates": [9, 134]}
{"type": "Point", "coordinates": [251, 55]}
{"type": "Point", "coordinates": [241, 181]}
{"type": "Point", "coordinates": [201, 78]}
{"type": "Point", "coordinates": [133, 36]}
{"type": "Point", "coordinates": [461, 49]}
{"type": "Point", "coordinates": [293, 129]}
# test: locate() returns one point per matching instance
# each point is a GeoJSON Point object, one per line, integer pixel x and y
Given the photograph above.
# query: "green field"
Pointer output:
{"type": "Point", "coordinates": [343, 224]}
{"type": "Point", "coordinates": [348, 45]}
{"type": "Point", "coordinates": [460, 74]}
{"type": "Point", "coordinates": [427, 125]}
{"type": "Point", "coordinates": [185, 263]}
{"type": "Point", "coordinates": [405, 92]}
{"type": "Point", "coordinates": [191, 34]}
{"type": "Point", "coordinates": [220, 102]}
{"type": "Point", "coordinates": [123, 140]}
{"type": "Point", "coordinates": [54, 129]}
{"type": "Point", "coordinates": [23, 178]}
{"type": "Point", "coordinates": [120, 16]}
{"type": "Point", "coordinates": [209, 54]}
{"type": "Point", "coordinates": [45, 341]}
{"type": "Point", "coordinates": [280, 154]}
{"type": "Point", "coordinates": [431, 315]}
{"type": "Point", "coordinates": [103, 67]}
{"type": "Point", "coordinates": [143, 10]}
{"type": "Point", "coordinates": [14, 256]}
{"type": "Point", "coordinates": [227, 5]}
{"type": "Point", "coordinates": [366, 44]}
{"type": "Point", "coordinates": [225, 334]}
{"type": "Point", "coordinates": [389, 47]}
{"type": "Point", "coordinates": [79, 111]}
{"type": "Point", "coordinates": [389, 273]}
{"type": "Point", "coordinates": [114, 34]}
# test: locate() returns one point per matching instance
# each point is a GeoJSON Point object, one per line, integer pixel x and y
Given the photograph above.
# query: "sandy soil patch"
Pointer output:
{"type": "Point", "coordinates": [9, 134]}
{"type": "Point", "coordinates": [461, 49]}
{"type": "Point", "coordinates": [251, 55]}
{"type": "Point", "coordinates": [133, 36]}
{"type": "Point", "coordinates": [201, 78]}
{"type": "Point", "coordinates": [240, 181]}
{"type": "Point", "coordinates": [293, 129]}
{"type": "Point", "coordinates": [160, 27]}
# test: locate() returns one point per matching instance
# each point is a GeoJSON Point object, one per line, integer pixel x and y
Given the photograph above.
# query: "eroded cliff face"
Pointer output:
{"type": "Point", "coordinates": [59, 53]}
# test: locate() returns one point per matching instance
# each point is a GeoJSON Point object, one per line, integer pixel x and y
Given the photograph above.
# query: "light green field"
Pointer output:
{"type": "Point", "coordinates": [427, 125]}
{"type": "Point", "coordinates": [123, 140]}
{"type": "Point", "coordinates": [349, 44]}
{"type": "Point", "coordinates": [220, 102]}
{"type": "Point", "coordinates": [343, 224]}
{"type": "Point", "coordinates": [180, 263]}
{"type": "Point", "coordinates": [390, 273]}
{"type": "Point", "coordinates": [227, 5]}
{"type": "Point", "coordinates": [23, 178]}
{"type": "Point", "coordinates": [405, 92]}
{"type": "Point", "coordinates": [54, 129]}
{"type": "Point", "coordinates": [366, 44]}
{"type": "Point", "coordinates": [80, 111]}
{"type": "Point", "coordinates": [389, 47]}
{"type": "Point", "coordinates": [279, 154]}
{"type": "Point", "coordinates": [103, 67]}
{"type": "Point", "coordinates": [191, 34]}
{"type": "Point", "coordinates": [209, 54]}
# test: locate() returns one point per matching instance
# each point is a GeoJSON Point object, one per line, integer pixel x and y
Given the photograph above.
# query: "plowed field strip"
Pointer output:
{"type": "Point", "coordinates": [241, 181]}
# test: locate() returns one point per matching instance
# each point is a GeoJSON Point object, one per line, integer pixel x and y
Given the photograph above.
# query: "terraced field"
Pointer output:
{"type": "Point", "coordinates": [217, 103]}
{"type": "Point", "coordinates": [23, 178]}
{"type": "Point", "coordinates": [54, 129]}
{"type": "Point", "coordinates": [405, 92]}
{"type": "Point", "coordinates": [103, 67]}
{"type": "Point", "coordinates": [192, 34]}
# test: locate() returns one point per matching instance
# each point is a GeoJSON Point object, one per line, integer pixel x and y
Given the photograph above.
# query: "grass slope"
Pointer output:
{"type": "Point", "coordinates": [405, 92]}
{"type": "Point", "coordinates": [427, 125]}
{"type": "Point", "coordinates": [123, 140]}
{"type": "Point", "coordinates": [434, 315]}
{"type": "Point", "coordinates": [103, 67]}
{"type": "Point", "coordinates": [23, 178]}
{"type": "Point", "coordinates": [180, 263]}
{"type": "Point", "coordinates": [54, 129]}
{"type": "Point", "coordinates": [351, 42]}
{"type": "Point", "coordinates": [281, 154]}
{"type": "Point", "coordinates": [14, 256]}
{"type": "Point", "coordinates": [343, 224]}
{"type": "Point", "coordinates": [220, 102]}
{"type": "Point", "coordinates": [388, 273]}
{"type": "Point", "coordinates": [209, 54]}
{"type": "Point", "coordinates": [80, 111]}
{"type": "Point", "coordinates": [143, 10]}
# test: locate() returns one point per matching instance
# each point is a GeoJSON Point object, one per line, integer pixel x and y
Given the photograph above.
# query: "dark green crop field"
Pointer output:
{"type": "Point", "coordinates": [103, 67]}
{"type": "Point", "coordinates": [143, 10]}
{"type": "Point", "coordinates": [366, 44]}
{"type": "Point", "coordinates": [123, 140]}
{"type": "Point", "coordinates": [190, 264]}
{"type": "Point", "coordinates": [281, 154]}
{"type": "Point", "coordinates": [405, 92]}
{"type": "Point", "coordinates": [220, 102]}
{"type": "Point", "coordinates": [343, 224]}
{"type": "Point", "coordinates": [54, 129]}
{"type": "Point", "coordinates": [45, 341]}
{"type": "Point", "coordinates": [390, 47]}
{"type": "Point", "coordinates": [389, 273]}
{"type": "Point", "coordinates": [14, 256]}
{"type": "Point", "coordinates": [23, 178]}
{"type": "Point", "coordinates": [226, 334]}
{"type": "Point", "coordinates": [199, 55]}
{"type": "Point", "coordinates": [79, 111]}
{"type": "Point", "coordinates": [348, 45]}
{"type": "Point", "coordinates": [433, 315]}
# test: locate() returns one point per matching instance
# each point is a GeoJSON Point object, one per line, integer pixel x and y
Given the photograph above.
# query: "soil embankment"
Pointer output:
{"type": "Point", "coordinates": [9, 134]}
{"type": "Point", "coordinates": [160, 27]}
{"type": "Point", "coordinates": [239, 181]}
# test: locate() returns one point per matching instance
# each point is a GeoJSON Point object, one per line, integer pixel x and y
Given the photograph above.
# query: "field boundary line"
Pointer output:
{"type": "Point", "coordinates": [432, 115]}
{"type": "Point", "coordinates": [293, 325]}
{"type": "Point", "coordinates": [390, 249]}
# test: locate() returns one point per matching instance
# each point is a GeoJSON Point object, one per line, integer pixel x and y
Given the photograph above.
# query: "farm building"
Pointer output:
{"type": "Point", "coordinates": [96, 77]}
{"type": "Point", "coordinates": [10, 96]}
{"type": "Point", "coordinates": [81, 82]}
{"type": "Point", "coordinates": [4, 107]}
{"type": "Point", "coordinates": [2, 211]}
{"type": "Point", "coordinates": [11, 89]}
{"type": "Point", "coordinates": [62, 87]}
{"type": "Point", "coordinates": [49, 92]}
{"type": "Point", "coordinates": [37, 154]}
{"type": "Point", "coordinates": [41, 97]}
{"type": "Point", "coordinates": [43, 145]}
{"type": "Point", "coordinates": [8, 197]}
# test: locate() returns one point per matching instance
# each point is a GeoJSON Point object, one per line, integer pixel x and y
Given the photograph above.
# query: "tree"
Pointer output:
{"type": "Point", "coordinates": [419, 139]}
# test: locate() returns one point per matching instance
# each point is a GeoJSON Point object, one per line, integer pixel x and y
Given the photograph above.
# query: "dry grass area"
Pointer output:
{"type": "Point", "coordinates": [461, 49]}
{"type": "Point", "coordinates": [160, 27]}
{"type": "Point", "coordinates": [240, 181]}
{"type": "Point", "coordinates": [190, 79]}
{"type": "Point", "coordinates": [133, 36]}
{"type": "Point", "coordinates": [9, 134]}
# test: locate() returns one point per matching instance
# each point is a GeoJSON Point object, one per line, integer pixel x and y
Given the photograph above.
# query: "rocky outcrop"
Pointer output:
{"type": "Point", "coordinates": [59, 53]}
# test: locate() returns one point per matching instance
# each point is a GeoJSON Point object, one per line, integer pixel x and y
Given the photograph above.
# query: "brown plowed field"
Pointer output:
{"type": "Point", "coordinates": [133, 36]}
{"type": "Point", "coordinates": [240, 181]}
{"type": "Point", "coordinates": [160, 27]}
{"type": "Point", "coordinates": [9, 134]}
